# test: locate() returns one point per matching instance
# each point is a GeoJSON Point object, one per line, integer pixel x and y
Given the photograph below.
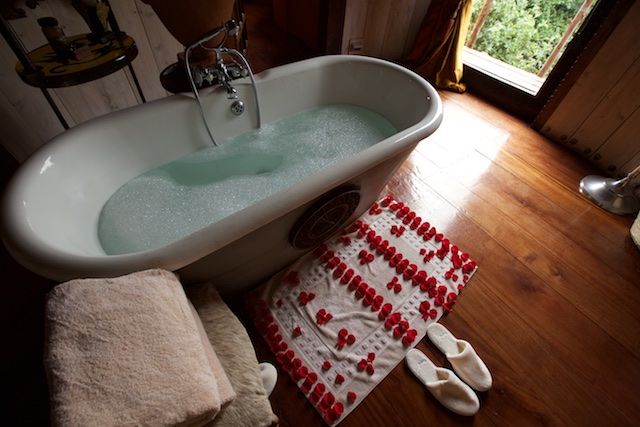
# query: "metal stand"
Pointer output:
{"type": "Point", "coordinates": [37, 73]}
{"type": "Point", "coordinates": [615, 196]}
{"type": "Point", "coordinates": [55, 109]}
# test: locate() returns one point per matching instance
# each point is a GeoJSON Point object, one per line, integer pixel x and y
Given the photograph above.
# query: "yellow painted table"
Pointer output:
{"type": "Point", "coordinates": [55, 72]}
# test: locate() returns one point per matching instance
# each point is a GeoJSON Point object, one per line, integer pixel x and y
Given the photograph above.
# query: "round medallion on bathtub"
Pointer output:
{"type": "Point", "coordinates": [324, 218]}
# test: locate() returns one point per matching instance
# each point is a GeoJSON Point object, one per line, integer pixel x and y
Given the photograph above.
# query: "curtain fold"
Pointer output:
{"type": "Point", "coordinates": [437, 51]}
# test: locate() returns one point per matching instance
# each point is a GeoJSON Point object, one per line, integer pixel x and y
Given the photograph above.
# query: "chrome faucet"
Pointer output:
{"type": "Point", "coordinates": [224, 79]}
{"type": "Point", "coordinates": [223, 72]}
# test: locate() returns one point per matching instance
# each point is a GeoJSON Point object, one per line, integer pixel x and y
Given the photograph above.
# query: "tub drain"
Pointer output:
{"type": "Point", "coordinates": [237, 107]}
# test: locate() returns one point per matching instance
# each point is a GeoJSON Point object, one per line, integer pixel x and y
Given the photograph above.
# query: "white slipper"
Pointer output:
{"type": "Point", "coordinates": [464, 359]}
{"type": "Point", "coordinates": [269, 375]}
{"type": "Point", "coordinates": [443, 384]}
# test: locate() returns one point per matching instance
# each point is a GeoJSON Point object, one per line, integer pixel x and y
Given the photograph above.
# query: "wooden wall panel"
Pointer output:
{"type": "Point", "coordinates": [385, 29]}
{"type": "Point", "coordinates": [622, 145]}
{"type": "Point", "coordinates": [26, 100]}
{"type": "Point", "coordinates": [93, 99]}
{"type": "Point", "coordinates": [27, 118]}
{"type": "Point", "coordinates": [164, 46]}
{"type": "Point", "coordinates": [28, 29]}
{"type": "Point", "coordinates": [398, 23]}
{"type": "Point", "coordinates": [612, 111]}
{"type": "Point", "coordinates": [631, 164]}
{"type": "Point", "coordinates": [599, 116]}
{"type": "Point", "coordinates": [130, 21]}
{"type": "Point", "coordinates": [375, 27]}
{"type": "Point", "coordinates": [355, 19]}
{"type": "Point", "coordinates": [19, 137]}
{"type": "Point", "coordinates": [598, 79]}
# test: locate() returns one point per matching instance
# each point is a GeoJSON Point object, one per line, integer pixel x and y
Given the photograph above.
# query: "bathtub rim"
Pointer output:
{"type": "Point", "coordinates": [54, 262]}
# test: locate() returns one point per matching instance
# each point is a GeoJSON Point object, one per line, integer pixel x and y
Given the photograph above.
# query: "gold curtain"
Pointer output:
{"type": "Point", "coordinates": [437, 51]}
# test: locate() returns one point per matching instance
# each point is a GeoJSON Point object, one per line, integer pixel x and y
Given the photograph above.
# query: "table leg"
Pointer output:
{"type": "Point", "coordinates": [55, 108]}
{"type": "Point", "coordinates": [135, 80]}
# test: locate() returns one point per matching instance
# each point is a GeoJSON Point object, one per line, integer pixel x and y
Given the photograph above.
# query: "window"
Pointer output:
{"type": "Point", "coordinates": [519, 41]}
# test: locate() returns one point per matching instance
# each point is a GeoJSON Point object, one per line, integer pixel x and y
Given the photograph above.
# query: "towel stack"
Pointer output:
{"type": "Point", "coordinates": [131, 351]}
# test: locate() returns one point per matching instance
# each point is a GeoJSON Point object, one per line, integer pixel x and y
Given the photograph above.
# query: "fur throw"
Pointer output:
{"type": "Point", "coordinates": [232, 345]}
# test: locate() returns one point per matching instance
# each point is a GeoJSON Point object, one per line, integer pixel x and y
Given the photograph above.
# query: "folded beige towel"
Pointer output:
{"type": "Point", "coordinates": [232, 344]}
{"type": "Point", "coordinates": [127, 351]}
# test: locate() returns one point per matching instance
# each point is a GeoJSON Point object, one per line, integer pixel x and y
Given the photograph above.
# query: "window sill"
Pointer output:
{"type": "Point", "coordinates": [508, 74]}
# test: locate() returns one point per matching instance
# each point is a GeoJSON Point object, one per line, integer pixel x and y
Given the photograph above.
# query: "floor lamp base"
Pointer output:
{"type": "Point", "coordinates": [610, 194]}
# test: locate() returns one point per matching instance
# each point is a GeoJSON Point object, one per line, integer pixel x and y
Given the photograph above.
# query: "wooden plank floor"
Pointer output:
{"type": "Point", "coordinates": [553, 307]}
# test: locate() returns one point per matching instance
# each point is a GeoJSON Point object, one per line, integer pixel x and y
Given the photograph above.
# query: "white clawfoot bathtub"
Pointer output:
{"type": "Point", "coordinates": [51, 207]}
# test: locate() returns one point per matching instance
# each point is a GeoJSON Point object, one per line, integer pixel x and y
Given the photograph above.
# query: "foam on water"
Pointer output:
{"type": "Point", "coordinates": [186, 195]}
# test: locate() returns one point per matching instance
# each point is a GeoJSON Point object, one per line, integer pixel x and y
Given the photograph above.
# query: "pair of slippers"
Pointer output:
{"type": "Point", "coordinates": [447, 387]}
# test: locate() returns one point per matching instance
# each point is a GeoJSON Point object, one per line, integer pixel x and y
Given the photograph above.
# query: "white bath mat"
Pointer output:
{"type": "Point", "coordinates": [341, 318]}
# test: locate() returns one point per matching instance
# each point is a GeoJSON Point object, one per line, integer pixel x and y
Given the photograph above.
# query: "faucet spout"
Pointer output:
{"type": "Point", "coordinates": [222, 73]}
{"type": "Point", "coordinates": [232, 93]}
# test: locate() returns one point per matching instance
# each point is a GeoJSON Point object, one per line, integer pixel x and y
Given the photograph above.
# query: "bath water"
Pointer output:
{"type": "Point", "coordinates": [186, 195]}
